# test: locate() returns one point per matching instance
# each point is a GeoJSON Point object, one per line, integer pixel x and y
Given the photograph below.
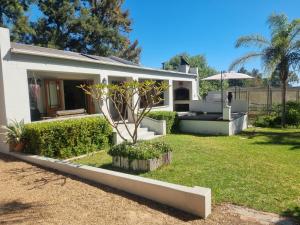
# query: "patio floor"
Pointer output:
{"type": "Point", "coordinates": [31, 195]}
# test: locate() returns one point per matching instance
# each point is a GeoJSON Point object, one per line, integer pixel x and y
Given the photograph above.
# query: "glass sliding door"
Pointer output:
{"type": "Point", "coordinates": [53, 97]}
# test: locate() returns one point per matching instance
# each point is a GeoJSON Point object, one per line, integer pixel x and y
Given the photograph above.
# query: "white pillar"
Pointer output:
{"type": "Point", "coordinates": [227, 112]}
{"type": "Point", "coordinates": [170, 96]}
{"type": "Point", "coordinates": [195, 90]}
{"type": "Point", "coordinates": [134, 100]}
{"type": "Point", "coordinates": [103, 79]}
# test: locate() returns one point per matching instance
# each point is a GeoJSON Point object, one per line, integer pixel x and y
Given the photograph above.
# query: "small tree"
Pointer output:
{"type": "Point", "coordinates": [129, 94]}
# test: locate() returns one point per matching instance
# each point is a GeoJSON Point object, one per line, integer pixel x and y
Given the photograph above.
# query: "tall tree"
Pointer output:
{"type": "Point", "coordinates": [102, 28]}
{"type": "Point", "coordinates": [12, 15]}
{"type": "Point", "coordinates": [53, 28]}
{"type": "Point", "coordinates": [11, 10]}
{"type": "Point", "coordinates": [204, 70]}
{"type": "Point", "coordinates": [98, 27]}
{"type": "Point", "coordinates": [281, 52]}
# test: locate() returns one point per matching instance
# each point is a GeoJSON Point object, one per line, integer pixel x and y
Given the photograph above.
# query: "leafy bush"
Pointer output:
{"type": "Point", "coordinates": [140, 150]}
{"type": "Point", "coordinates": [66, 138]}
{"type": "Point", "coordinates": [274, 119]}
{"type": "Point", "coordinates": [293, 117]}
{"type": "Point", "coordinates": [170, 117]}
{"type": "Point", "coordinates": [267, 120]}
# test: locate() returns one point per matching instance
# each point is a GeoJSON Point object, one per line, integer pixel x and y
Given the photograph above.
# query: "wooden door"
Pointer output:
{"type": "Point", "coordinates": [53, 97]}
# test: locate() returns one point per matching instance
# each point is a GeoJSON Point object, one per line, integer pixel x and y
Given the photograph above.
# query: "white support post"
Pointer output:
{"type": "Point", "coordinates": [134, 100]}
{"type": "Point", "coordinates": [170, 95]}
{"type": "Point", "coordinates": [227, 112]}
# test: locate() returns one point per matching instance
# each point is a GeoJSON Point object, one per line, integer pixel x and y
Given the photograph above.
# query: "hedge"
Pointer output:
{"type": "Point", "coordinates": [170, 117]}
{"type": "Point", "coordinates": [141, 150]}
{"type": "Point", "coordinates": [67, 138]}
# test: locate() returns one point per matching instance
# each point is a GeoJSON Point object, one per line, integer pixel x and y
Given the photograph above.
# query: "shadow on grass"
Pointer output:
{"type": "Point", "coordinates": [293, 213]}
{"type": "Point", "coordinates": [281, 138]}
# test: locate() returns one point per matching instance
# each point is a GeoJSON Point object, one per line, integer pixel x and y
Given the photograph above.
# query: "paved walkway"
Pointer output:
{"type": "Point", "coordinates": [31, 195]}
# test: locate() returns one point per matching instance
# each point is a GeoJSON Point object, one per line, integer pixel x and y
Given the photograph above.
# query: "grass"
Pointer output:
{"type": "Point", "coordinates": [259, 168]}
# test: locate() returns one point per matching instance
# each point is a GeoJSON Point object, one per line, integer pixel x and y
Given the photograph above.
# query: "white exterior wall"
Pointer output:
{"type": "Point", "coordinates": [15, 67]}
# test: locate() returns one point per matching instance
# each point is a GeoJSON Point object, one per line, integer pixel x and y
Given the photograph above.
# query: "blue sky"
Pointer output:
{"type": "Point", "coordinates": [210, 27]}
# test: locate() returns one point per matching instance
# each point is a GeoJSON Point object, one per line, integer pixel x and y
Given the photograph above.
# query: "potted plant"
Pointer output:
{"type": "Point", "coordinates": [14, 135]}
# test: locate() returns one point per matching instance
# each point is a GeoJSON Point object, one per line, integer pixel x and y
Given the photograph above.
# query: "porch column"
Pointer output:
{"type": "Point", "coordinates": [103, 79]}
{"type": "Point", "coordinates": [134, 100]}
{"type": "Point", "coordinates": [170, 95]}
{"type": "Point", "coordinates": [195, 90]}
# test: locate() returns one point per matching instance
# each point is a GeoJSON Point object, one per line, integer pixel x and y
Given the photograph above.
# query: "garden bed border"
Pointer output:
{"type": "Point", "coordinates": [194, 200]}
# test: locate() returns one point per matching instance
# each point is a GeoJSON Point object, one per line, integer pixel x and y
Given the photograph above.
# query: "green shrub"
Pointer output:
{"type": "Point", "coordinates": [170, 117]}
{"type": "Point", "coordinates": [140, 150]}
{"type": "Point", "coordinates": [267, 120]}
{"type": "Point", "coordinates": [67, 138]}
{"type": "Point", "coordinates": [292, 116]}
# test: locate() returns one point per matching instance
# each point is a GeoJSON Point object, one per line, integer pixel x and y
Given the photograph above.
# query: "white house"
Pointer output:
{"type": "Point", "coordinates": [36, 82]}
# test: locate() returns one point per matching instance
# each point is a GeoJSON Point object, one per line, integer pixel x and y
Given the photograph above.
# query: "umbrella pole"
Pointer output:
{"type": "Point", "coordinates": [222, 95]}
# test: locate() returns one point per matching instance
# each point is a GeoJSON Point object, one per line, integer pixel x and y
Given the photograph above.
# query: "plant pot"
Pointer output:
{"type": "Point", "coordinates": [16, 147]}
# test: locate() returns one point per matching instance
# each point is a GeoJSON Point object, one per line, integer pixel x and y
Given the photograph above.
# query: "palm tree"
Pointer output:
{"type": "Point", "coordinates": [281, 53]}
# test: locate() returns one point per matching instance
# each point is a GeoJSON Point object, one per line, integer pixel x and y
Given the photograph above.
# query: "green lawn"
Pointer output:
{"type": "Point", "coordinates": [259, 168]}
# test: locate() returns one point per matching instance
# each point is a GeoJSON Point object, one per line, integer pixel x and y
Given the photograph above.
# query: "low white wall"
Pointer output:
{"type": "Point", "coordinates": [214, 127]}
{"type": "Point", "coordinates": [238, 125]}
{"type": "Point", "coordinates": [215, 107]}
{"type": "Point", "coordinates": [204, 127]}
{"type": "Point", "coordinates": [194, 200]}
{"type": "Point", "coordinates": [158, 126]}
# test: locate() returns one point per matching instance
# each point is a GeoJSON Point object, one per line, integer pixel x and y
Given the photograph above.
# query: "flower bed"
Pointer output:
{"type": "Point", "coordinates": [142, 156]}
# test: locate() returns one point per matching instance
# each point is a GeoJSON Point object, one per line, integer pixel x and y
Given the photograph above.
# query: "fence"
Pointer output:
{"type": "Point", "coordinates": [262, 99]}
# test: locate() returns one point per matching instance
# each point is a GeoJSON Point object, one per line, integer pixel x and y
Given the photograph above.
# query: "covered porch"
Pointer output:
{"type": "Point", "coordinates": [56, 94]}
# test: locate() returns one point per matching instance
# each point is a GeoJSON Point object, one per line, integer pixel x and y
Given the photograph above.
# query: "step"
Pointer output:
{"type": "Point", "coordinates": [140, 130]}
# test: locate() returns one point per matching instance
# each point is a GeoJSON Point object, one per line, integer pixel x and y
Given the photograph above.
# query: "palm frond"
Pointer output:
{"type": "Point", "coordinates": [294, 30]}
{"type": "Point", "coordinates": [278, 23]}
{"type": "Point", "coordinates": [252, 40]}
{"type": "Point", "coordinates": [242, 60]}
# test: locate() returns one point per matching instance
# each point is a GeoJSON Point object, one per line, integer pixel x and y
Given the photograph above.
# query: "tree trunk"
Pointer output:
{"type": "Point", "coordinates": [283, 104]}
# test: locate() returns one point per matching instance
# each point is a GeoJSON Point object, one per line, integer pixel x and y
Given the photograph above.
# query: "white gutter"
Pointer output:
{"type": "Point", "coordinates": [28, 52]}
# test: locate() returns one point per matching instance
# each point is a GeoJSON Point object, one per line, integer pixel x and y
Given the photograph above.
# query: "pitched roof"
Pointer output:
{"type": "Point", "coordinates": [55, 53]}
{"type": "Point", "coordinates": [69, 54]}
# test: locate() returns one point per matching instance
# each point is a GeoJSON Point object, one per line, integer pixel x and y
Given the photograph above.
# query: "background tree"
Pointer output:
{"type": "Point", "coordinates": [102, 28]}
{"type": "Point", "coordinates": [204, 70]}
{"type": "Point", "coordinates": [98, 27]}
{"type": "Point", "coordinates": [281, 53]}
{"type": "Point", "coordinates": [12, 15]}
{"type": "Point", "coordinates": [52, 30]}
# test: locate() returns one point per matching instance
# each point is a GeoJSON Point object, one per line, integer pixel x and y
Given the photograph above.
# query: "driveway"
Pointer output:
{"type": "Point", "coordinates": [32, 195]}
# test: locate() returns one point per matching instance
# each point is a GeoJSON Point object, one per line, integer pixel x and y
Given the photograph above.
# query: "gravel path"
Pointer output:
{"type": "Point", "coordinates": [32, 195]}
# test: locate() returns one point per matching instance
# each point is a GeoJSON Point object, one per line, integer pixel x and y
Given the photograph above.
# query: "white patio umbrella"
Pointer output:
{"type": "Point", "coordinates": [227, 76]}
